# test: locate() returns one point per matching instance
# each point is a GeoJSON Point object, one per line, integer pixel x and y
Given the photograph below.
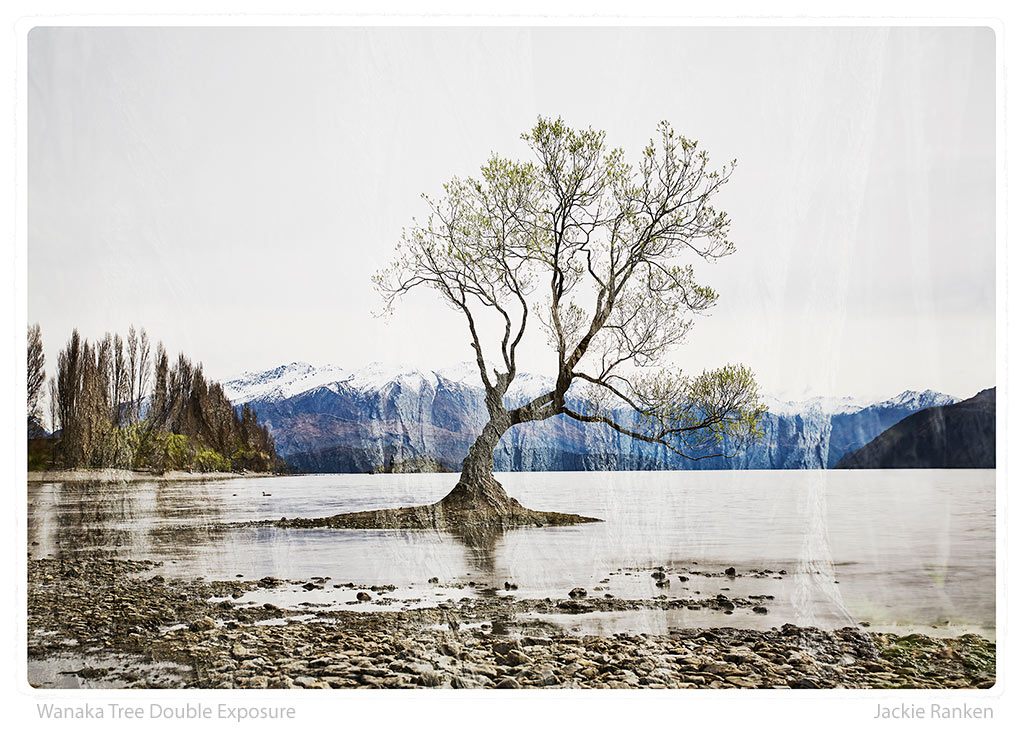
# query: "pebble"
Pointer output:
{"type": "Point", "coordinates": [104, 605]}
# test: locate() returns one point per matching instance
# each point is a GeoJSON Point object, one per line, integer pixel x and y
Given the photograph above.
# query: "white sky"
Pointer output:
{"type": "Point", "coordinates": [234, 189]}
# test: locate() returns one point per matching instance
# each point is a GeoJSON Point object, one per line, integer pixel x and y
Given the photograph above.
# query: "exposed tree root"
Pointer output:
{"type": "Point", "coordinates": [462, 510]}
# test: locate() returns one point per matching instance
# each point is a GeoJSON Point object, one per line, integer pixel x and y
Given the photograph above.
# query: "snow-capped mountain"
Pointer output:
{"type": "Point", "coordinates": [279, 383]}
{"type": "Point", "coordinates": [912, 400]}
{"type": "Point", "coordinates": [297, 378]}
{"type": "Point", "coordinates": [335, 419]}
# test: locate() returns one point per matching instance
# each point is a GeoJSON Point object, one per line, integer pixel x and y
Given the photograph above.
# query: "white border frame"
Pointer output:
{"type": "Point", "coordinates": [833, 709]}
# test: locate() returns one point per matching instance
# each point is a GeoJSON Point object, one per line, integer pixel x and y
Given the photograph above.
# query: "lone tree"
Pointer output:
{"type": "Point", "coordinates": [588, 247]}
{"type": "Point", "coordinates": [36, 380]}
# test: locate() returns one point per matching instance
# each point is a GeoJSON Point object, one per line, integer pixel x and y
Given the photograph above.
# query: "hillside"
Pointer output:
{"type": "Point", "coordinates": [959, 436]}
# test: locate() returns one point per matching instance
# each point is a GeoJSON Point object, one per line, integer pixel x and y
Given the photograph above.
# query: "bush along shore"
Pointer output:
{"type": "Point", "coordinates": [120, 623]}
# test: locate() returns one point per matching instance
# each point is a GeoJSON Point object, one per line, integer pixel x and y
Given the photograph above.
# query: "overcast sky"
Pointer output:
{"type": "Point", "coordinates": [233, 190]}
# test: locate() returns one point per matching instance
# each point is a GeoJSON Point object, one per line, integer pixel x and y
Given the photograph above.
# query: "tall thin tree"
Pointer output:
{"type": "Point", "coordinates": [36, 376]}
{"type": "Point", "coordinates": [69, 390]}
{"type": "Point", "coordinates": [132, 359]}
{"type": "Point", "coordinates": [142, 374]}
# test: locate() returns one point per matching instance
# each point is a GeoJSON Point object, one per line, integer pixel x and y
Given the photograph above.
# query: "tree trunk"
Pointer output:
{"type": "Point", "coordinates": [477, 489]}
{"type": "Point", "coordinates": [474, 510]}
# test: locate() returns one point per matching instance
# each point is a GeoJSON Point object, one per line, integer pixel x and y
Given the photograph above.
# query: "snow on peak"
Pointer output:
{"type": "Point", "coordinates": [253, 385]}
{"type": "Point", "coordinates": [529, 385]}
{"type": "Point", "coordinates": [280, 382]}
{"type": "Point", "coordinates": [526, 384]}
{"type": "Point", "coordinates": [297, 378]}
{"type": "Point", "coordinates": [906, 400]}
{"type": "Point", "coordinates": [466, 373]}
{"type": "Point", "coordinates": [816, 404]}
{"type": "Point", "coordinates": [917, 400]}
{"type": "Point", "coordinates": [378, 375]}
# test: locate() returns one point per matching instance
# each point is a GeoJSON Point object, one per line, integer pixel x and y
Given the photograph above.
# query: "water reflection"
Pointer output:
{"type": "Point", "coordinates": [480, 544]}
{"type": "Point", "coordinates": [120, 518]}
{"type": "Point", "coordinates": [907, 547]}
{"type": "Point", "coordinates": [77, 516]}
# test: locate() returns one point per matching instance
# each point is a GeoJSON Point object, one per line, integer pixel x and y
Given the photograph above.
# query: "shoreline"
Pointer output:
{"type": "Point", "coordinates": [113, 623]}
{"type": "Point", "coordinates": [134, 475]}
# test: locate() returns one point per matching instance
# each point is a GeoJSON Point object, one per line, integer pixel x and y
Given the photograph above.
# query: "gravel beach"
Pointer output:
{"type": "Point", "coordinates": [119, 623]}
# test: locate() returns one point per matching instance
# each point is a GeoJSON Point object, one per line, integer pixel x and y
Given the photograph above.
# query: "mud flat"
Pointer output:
{"type": "Point", "coordinates": [119, 623]}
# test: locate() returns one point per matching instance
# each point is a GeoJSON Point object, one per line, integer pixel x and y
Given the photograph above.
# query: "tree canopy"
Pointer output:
{"type": "Point", "coordinates": [595, 251]}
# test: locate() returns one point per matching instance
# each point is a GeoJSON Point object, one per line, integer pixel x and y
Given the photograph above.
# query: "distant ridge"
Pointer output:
{"type": "Point", "coordinates": [958, 436]}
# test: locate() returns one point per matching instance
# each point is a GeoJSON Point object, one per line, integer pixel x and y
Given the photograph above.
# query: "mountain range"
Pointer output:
{"type": "Point", "coordinates": [331, 419]}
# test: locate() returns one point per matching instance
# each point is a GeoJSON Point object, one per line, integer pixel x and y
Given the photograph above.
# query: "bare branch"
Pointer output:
{"type": "Point", "coordinates": [606, 239]}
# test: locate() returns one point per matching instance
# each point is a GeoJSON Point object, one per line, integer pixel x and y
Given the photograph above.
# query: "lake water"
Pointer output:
{"type": "Point", "coordinates": [910, 549]}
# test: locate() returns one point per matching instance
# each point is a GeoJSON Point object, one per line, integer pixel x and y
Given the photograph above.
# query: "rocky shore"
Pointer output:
{"type": "Point", "coordinates": [119, 623]}
{"type": "Point", "coordinates": [133, 475]}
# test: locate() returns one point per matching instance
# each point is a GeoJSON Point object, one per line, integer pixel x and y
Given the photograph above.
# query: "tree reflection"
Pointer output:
{"type": "Point", "coordinates": [480, 543]}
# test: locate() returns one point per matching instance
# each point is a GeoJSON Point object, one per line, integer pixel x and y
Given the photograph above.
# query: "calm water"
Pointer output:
{"type": "Point", "coordinates": [909, 549]}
